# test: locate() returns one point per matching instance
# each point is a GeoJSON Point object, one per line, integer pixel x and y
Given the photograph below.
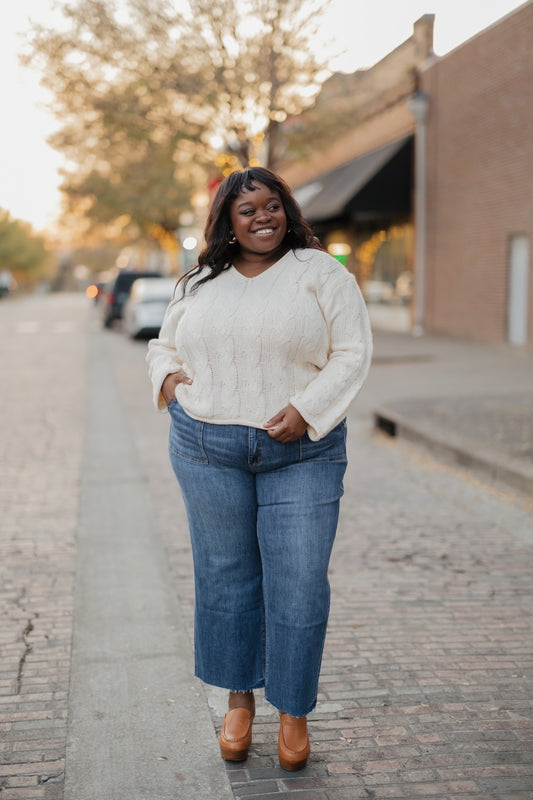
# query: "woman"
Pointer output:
{"type": "Point", "coordinates": [257, 361]}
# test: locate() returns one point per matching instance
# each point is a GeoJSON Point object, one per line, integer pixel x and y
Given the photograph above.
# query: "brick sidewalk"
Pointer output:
{"type": "Point", "coordinates": [41, 444]}
{"type": "Point", "coordinates": [427, 682]}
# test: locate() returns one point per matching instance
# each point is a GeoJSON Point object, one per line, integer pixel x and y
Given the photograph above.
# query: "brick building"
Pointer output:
{"type": "Point", "coordinates": [479, 161]}
{"type": "Point", "coordinates": [453, 193]}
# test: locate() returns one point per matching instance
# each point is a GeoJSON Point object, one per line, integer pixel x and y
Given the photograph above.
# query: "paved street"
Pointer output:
{"type": "Point", "coordinates": [427, 682]}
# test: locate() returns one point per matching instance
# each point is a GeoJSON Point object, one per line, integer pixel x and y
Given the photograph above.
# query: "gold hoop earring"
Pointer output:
{"type": "Point", "coordinates": [233, 238]}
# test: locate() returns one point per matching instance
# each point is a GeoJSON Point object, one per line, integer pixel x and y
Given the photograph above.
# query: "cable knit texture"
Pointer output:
{"type": "Point", "coordinates": [297, 333]}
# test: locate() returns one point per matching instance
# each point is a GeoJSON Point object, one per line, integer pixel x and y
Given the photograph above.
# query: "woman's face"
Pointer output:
{"type": "Point", "coordinates": [258, 221]}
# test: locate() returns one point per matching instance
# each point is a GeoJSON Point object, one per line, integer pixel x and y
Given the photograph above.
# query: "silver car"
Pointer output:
{"type": "Point", "coordinates": [145, 308]}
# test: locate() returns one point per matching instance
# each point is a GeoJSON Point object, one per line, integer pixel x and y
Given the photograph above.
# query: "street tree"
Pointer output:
{"type": "Point", "coordinates": [151, 96]}
{"type": "Point", "coordinates": [23, 253]}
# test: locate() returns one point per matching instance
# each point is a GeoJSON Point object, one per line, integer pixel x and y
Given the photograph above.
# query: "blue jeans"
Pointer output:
{"type": "Point", "coordinates": [262, 519]}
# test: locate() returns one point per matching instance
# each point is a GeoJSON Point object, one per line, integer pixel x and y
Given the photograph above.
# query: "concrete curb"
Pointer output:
{"type": "Point", "coordinates": [455, 449]}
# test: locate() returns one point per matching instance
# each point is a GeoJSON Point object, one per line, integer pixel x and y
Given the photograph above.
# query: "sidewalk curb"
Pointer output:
{"type": "Point", "coordinates": [451, 449]}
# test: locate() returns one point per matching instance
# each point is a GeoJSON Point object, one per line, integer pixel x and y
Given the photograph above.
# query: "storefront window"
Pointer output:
{"type": "Point", "coordinates": [384, 264]}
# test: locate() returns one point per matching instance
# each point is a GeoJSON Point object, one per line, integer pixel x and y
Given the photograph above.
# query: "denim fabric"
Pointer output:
{"type": "Point", "coordinates": [262, 519]}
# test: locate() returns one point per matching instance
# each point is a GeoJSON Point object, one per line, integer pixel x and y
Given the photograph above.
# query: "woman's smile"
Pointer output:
{"type": "Point", "coordinates": [259, 223]}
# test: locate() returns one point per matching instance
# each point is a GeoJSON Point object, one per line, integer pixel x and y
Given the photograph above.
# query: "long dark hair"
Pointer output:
{"type": "Point", "coordinates": [218, 253]}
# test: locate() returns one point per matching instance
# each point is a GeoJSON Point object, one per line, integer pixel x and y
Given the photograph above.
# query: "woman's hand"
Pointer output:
{"type": "Point", "coordinates": [168, 388]}
{"type": "Point", "coordinates": [287, 425]}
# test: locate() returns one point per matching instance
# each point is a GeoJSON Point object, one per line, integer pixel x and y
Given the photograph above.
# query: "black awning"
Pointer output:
{"type": "Point", "coordinates": [328, 195]}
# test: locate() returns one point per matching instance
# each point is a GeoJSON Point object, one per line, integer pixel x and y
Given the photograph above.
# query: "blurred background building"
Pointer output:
{"type": "Point", "coordinates": [426, 191]}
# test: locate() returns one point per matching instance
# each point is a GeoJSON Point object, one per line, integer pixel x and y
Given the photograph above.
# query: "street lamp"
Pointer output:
{"type": "Point", "coordinates": [418, 106]}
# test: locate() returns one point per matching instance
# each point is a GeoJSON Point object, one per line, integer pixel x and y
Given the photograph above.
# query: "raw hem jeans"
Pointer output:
{"type": "Point", "coordinates": [262, 519]}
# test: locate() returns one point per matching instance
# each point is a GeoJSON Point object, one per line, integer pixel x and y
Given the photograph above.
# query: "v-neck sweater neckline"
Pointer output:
{"type": "Point", "coordinates": [234, 271]}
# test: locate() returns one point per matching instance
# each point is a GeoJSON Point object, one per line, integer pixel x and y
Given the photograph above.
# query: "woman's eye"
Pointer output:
{"type": "Point", "coordinates": [272, 208]}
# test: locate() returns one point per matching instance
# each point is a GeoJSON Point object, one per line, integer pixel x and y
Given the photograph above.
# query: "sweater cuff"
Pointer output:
{"type": "Point", "coordinates": [315, 424]}
{"type": "Point", "coordinates": [157, 381]}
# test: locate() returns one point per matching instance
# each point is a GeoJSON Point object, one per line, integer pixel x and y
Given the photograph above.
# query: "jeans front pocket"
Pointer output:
{"type": "Point", "coordinates": [331, 447]}
{"type": "Point", "coordinates": [186, 435]}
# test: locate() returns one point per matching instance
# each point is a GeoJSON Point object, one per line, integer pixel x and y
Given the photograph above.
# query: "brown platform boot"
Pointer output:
{"type": "Point", "coordinates": [236, 734]}
{"type": "Point", "coordinates": [293, 742]}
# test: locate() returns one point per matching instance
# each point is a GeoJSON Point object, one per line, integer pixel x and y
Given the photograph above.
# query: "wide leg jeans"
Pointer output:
{"type": "Point", "coordinates": [262, 519]}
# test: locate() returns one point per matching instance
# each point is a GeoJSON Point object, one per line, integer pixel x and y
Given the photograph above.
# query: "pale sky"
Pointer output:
{"type": "Point", "coordinates": [367, 31]}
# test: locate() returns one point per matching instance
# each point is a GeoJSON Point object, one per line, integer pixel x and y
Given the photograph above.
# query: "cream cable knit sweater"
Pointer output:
{"type": "Point", "coordinates": [297, 333]}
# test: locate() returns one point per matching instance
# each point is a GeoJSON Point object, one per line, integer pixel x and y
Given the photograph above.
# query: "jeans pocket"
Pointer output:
{"type": "Point", "coordinates": [186, 435]}
{"type": "Point", "coordinates": [331, 447]}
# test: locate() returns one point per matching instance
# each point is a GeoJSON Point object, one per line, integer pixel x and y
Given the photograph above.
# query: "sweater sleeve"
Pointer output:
{"type": "Point", "coordinates": [325, 400]}
{"type": "Point", "coordinates": [162, 357]}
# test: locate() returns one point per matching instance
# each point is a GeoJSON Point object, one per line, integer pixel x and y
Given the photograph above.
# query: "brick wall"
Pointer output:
{"type": "Point", "coordinates": [480, 177]}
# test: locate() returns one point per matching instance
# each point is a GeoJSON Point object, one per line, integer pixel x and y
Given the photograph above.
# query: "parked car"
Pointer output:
{"type": "Point", "coordinates": [96, 291]}
{"type": "Point", "coordinates": [8, 283]}
{"type": "Point", "coordinates": [118, 291]}
{"type": "Point", "coordinates": [145, 307]}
